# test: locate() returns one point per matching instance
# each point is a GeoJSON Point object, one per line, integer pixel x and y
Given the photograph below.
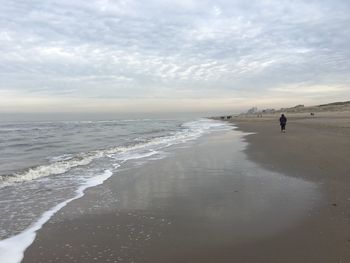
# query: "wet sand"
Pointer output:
{"type": "Point", "coordinates": [317, 149]}
{"type": "Point", "coordinates": [218, 200]}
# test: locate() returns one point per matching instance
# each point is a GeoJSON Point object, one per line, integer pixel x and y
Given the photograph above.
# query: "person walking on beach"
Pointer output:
{"type": "Point", "coordinates": [283, 122]}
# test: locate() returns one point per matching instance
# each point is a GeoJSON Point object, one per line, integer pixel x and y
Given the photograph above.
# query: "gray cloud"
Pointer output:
{"type": "Point", "coordinates": [175, 49]}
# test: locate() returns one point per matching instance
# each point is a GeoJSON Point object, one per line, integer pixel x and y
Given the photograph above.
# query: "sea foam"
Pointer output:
{"type": "Point", "coordinates": [12, 249]}
{"type": "Point", "coordinates": [65, 163]}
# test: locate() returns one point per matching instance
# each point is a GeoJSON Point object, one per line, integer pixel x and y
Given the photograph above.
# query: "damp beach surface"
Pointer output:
{"type": "Point", "coordinates": [205, 201]}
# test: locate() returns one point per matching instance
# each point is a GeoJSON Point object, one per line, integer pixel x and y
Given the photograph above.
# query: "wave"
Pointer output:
{"type": "Point", "coordinates": [142, 148]}
{"type": "Point", "coordinates": [12, 249]}
{"type": "Point", "coordinates": [55, 168]}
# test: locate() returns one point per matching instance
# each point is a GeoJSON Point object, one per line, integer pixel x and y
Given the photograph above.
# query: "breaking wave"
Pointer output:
{"type": "Point", "coordinates": [144, 147]}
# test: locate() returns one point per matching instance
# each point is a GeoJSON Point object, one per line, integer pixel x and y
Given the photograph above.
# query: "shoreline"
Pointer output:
{"type": "Point", "coordinates": [189, 208]}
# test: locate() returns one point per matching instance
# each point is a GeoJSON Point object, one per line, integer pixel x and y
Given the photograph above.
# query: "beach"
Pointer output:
{"type": "Point", "coordinates": [154, 131]}
{"type": "Point", "coordinates": [315, 148]}
{"type": "Point", "coordinates": [250, 194]}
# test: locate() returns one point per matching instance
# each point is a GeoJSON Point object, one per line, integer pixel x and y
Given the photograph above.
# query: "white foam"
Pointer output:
{"type": "Point", "coordinates": [63, 157]}
{"type": "Point", "coordinates": [64, 163]}
{"type": "Point", "coordinates": [192, 130]}
{"type": "Point", "coordinates": [204, 125]}
{"type": "Point", "coordinates": [12, 249]}
{"type": "Point", "coordinates": [132, 155]}
{"type": "Point", "coordinates": [58, 167]}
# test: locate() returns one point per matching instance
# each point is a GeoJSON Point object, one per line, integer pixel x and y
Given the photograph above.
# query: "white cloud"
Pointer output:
{"type": "Point", "coordinates": [217, 11]}
{"type": "Point", "coordinates": [305, 89]}
{"type": "Point", "coordinates": [185, 49]}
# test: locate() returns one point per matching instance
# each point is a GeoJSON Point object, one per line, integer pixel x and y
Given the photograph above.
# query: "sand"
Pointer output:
{"type": "Point", "coordinates": [265, 197]}
{"type": "Point", "coordinates": [317, 149]}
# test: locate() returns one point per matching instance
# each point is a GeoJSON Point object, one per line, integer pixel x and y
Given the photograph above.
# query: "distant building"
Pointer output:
{"type": "Point", "coordinates": [268, 111]}
{"type": "Point", "coordinates": [253, 110]}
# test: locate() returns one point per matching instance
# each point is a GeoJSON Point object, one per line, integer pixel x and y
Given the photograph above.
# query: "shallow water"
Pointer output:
{"type": "Point", "coordinates": [203, 195]}
{"type": "Point", "coordinates": [44, 164]}
{"type": "Point", "coordinates": [231, 189]}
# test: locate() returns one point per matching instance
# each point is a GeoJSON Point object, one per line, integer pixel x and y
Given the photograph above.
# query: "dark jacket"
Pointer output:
{"type": "Point", "coordinates": [283, 120]}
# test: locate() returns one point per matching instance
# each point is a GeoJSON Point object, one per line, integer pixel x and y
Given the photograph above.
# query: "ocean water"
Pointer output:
{"type": "Point", "coordinates": [45, 165]}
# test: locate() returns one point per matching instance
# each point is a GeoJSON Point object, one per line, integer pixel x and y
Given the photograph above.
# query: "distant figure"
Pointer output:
{"type": "Point", "coordinates": [283, 122]}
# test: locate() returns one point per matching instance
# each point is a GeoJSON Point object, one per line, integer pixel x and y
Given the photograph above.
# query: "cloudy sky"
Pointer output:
{"type": "Point", "coordinates": [172, 55]}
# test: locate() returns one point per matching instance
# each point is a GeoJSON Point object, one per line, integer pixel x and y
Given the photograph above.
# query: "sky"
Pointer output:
{"type": "Point", "coordinates": [172, 55]}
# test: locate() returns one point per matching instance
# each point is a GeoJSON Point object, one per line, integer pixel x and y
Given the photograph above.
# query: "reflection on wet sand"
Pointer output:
{"type": "Point", "coordinates": [201, 198]}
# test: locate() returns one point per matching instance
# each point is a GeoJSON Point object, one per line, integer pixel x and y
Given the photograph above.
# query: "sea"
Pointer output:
{"type": "Point", "coordinates": [46, 165]}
